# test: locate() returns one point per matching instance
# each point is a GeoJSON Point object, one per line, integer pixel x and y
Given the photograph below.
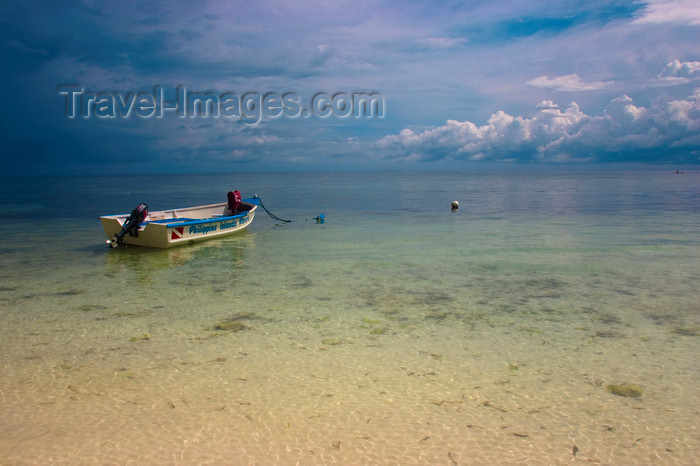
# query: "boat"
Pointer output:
{"type": "Point", "coordinates": [174, 227]}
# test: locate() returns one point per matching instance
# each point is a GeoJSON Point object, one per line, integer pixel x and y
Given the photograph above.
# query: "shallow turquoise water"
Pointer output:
{"type": "Point", "coordinates": [396, 331]}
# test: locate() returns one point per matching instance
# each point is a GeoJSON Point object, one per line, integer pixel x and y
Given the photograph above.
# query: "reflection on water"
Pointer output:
{"type": "Point", "coordinates": [142, 264]}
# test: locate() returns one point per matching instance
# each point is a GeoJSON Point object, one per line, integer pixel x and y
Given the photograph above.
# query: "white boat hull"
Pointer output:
{"type": "Point", "coordinates": [168, 228]}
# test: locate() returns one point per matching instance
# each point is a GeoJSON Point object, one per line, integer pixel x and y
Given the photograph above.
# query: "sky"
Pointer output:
{"type": "Point", "coordinates": [176, 86]}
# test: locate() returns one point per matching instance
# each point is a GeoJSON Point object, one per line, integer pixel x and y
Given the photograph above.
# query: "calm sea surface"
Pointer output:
{"type": "Point", "coordinates": [396, 332]}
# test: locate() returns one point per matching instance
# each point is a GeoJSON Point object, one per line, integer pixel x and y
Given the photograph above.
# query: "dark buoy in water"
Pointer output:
{"type": "Point", "coordinates": [455, 205]}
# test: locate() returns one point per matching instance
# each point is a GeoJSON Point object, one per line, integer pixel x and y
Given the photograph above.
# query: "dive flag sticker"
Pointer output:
{"type": "Point", "coordinates": [177, 233]}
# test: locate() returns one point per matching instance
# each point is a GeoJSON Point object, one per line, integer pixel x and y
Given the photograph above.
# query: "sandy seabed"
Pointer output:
{"type": "Point", "coordinates": [312, 391]}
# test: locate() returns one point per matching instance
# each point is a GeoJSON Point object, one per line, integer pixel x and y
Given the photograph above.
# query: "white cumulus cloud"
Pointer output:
{"type": "Point", "coordinates": [569, 82]}
{"type": "Point", "coordinates": [677, 69]}
{"type": "Point", "coordinates": [625, 131]}
{"type": "Point", "coordinates": [677, 72]}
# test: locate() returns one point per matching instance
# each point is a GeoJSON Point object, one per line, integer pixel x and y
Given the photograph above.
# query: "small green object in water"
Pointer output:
{"type": "Point", "coordinates": [230, 326]}
{"type": "Point", "coordinates": [626, 389]}
{"type": "Point", "coordinates": [331, 341]}
{"type": "Point", "coordinates": [144, 337]}
{"type": "Point", "coordinates": [512, 367]}
{"type": "Point", "coordinates": [688, 331]}
{"type": "Point", "coordinates": [377, 331]}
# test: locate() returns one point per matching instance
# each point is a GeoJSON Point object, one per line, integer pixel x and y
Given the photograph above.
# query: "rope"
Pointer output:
{"type": "Point", "coordinates": [255, 196]}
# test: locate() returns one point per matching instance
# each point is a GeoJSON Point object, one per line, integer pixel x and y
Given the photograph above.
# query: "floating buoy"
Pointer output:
{"type": "Point", "coordinates": [455, 205]}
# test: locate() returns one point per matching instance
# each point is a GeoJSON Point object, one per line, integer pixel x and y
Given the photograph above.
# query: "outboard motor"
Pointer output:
{"type": "Point", "coordinates": [131, 226]}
